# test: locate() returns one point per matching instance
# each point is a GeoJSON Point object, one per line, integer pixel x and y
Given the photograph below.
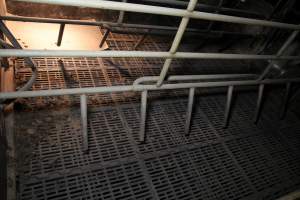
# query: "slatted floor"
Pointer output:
{"type": "Point", "coordinates": [97, 72]}
{"type": "Point", "coordinates": [244, 161]}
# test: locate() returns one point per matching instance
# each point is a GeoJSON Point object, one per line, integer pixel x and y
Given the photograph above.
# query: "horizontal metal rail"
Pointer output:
{"type": "Point", "coordinates": [126, 28]}
{"type": "Point", "coordinates": [158, 10]}
{"type": "Point", "coordinates": [207, 7]}
{"type": "Point", "coordinates": [127, 88]}
{"type": "Point", "coordinates": [144, 89]}
{"type": "Point", "coordinates": [193, 77]}
{"type": "Point", "coordinates": [104, 24]}
{"type": "Point", "coordinates": [186, 14]}
{"type": "Point", "coordinates": [138, 54]}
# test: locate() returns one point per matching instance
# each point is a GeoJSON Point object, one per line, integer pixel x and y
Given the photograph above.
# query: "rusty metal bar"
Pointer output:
{"type": "Point", "coordinates": [60, 34]}
{"type": "Point", "coordinates": [140, 41]}
{"type": "Point", "coordinates": [104, 38]}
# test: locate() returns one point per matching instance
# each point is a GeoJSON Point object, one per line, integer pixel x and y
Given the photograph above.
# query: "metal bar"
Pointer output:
{"type": "Point", "coordinates": [131, 7]}
{"type": "Point", "coordinates": [206, 7]}
{"type": "Point", "coordinates": [6, 45]}
{"type": "Point", "coordinates": [199, 32]}
{"type": "Point", "coordinates": [286, 100]}
{"type": "Point", "coordinates": [259, 102]}
{"type": "Point", "coordinates": [104, 23]}
{"type": "Point", "coordinates": [141, 40]}
{"type": "Point", "coordinates": [127, 88]}
{"type": "Point", "coordinates": [138, 54]}
{"type": "Point", "coordinates": [14, 42]}
{"type": "Point", "coordinates": [60, 34]}
{"type": "Point", "coordinates": [193, 77]}
{"type": "Point", "coordinates": [4, 61]}
{"type": "Point", "coordinates": [279, 53]}
{"type": "Point", "coordinates": [121, 14]}
{"type": "Point", "coordinates": [228, 106]}
{"type": "Point", "coordinates": [28, 60]}
{"type": "Point", "coordinates": [104, 38]}
{"type": "Point", "coordinates": [176, 42]}
{"type": "Point", "coordinates": [189, 111]}
{"type": "Point", "coordinates": [9, 35]}
{"type": "Point", "coordinates": [143, 116]}
{"type": "Point", "coordinates": [83, 111]}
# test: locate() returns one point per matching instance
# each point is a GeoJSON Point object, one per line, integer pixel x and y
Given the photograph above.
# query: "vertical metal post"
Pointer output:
{"type": "Point", "coordinates": [104, 37]}
{"type": "Point", "coordinates": [286, 100]}
{"type": "Point", "coordinates": [143, 116]}
{"type": "Point", "coordinates": [228, 106]}
{"type": "Point", "coordinates": [279, 53]}
{"type": "Point", "coordinates": [189, 111]}
{"type": "Point", "coordinates": [121, 15]}
{"type": "Point", "coordinates": [14, 42]}
{"type": "Point", "coordinates": [60, 34]}
{"type": "Point", "coordinates": [183, 24]}
{"type": "Point", "coordinates": [3, 61]}
{"type": "Point", "coordinates": [83, 111]}
{"type": "Point", "coordinates": [259, 102]}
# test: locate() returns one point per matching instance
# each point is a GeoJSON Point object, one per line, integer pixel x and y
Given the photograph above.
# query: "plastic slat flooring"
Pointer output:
{"type": "Point", "coordinates": [245, 161]}
{"type": "Point", "coordinates": [97, 72]}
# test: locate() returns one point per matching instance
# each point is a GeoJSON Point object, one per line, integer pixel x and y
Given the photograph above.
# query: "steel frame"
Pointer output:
{"type": "Point", "coordinates": [172, 54]}
{"type": "Point", "coordinates": [121, 27]}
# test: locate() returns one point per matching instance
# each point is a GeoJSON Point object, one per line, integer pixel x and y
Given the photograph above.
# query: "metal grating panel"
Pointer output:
{"type": "Point", "coordinates": [59, 149]}
{"type": "Point", "coordinates": [244, 162]}
{"type": "Point", "coordinates": [202, 173]}
{"type": "Point", "coordinates": [118, 182]}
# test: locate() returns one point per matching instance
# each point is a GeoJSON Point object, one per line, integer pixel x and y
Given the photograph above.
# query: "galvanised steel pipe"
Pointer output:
{"type": "Point", "coordinates": [129, 28]}
{"type": "Point", "coordinates": [176, 42]}
{"type": "Point", "coordinates": [131, 7]}
{"type": "Point", "coordinates": [189, 33]}
{"type": "Point", "coordinates": [138, 54]}
{"type": "Point", "coordinates": [93, 23]}
{"type": "Point", "coordinates": [139, 88]}
{"type": "Point", "coordinates": [193, 77]}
